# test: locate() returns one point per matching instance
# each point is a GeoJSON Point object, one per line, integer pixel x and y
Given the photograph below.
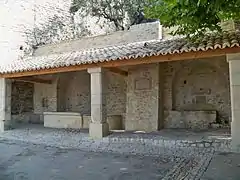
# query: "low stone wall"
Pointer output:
{"type": "Point", "coordinates": [27, 118]}
{"type": "Point", "coordinates": [189, 119]}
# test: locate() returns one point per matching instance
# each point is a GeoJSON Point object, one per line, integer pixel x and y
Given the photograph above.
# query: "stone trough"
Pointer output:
{"type": "Point", "coordinates": [190, 119]}
{"type": "Point", "coordinates": [74, 120]}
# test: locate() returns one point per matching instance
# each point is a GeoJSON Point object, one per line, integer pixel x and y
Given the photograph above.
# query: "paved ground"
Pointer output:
{"type": "Point", "coordinates": [37, 162]}
{"type": "Point", "coordinates": [223, 166]}
{"type": "Point", "coordinates": [45, 154]}
{"type": "Point", "coordinates": [26, 161]}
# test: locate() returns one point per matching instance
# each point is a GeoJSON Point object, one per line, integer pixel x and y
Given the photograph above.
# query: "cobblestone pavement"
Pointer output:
{"type": "Point", "coordinates": [50, 153]}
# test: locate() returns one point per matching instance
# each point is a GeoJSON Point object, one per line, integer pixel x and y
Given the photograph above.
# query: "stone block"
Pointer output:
{"type": "Point", "coordinates": [114, 122]}
{"type": "Point", "coordinates": [98, 130]}
{"type": "Point", "coordinates": [86, 121]}
{"type": "Point", "coordinates": [62, 120]}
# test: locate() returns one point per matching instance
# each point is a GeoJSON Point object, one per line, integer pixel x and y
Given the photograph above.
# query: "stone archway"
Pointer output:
{"type": "Point", "coordinates": [200, 85]}
{"type": "Point", "coordinates": [73, 92]}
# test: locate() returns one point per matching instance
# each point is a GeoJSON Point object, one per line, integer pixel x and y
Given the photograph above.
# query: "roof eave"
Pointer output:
{"type": "Point", "coordinates": [127, 62]}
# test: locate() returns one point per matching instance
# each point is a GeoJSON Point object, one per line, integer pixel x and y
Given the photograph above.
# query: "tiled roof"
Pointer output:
{"type": "Point", "coordinates": [120, 52]}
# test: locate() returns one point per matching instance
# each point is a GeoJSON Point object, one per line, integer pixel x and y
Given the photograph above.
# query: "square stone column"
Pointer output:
{"type": "Point", "coordinates": [5, 104]}
{"type": "Point", "coordinates": [234, 73]}
{"type": "Point", "coordinates": [98, 126]}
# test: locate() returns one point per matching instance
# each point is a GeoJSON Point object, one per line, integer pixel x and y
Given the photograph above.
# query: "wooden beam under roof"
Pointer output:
{"type": "Point", "coordinates": [118, 71]}
{"type": "Point", "coordinates": [129, 62]}
{"type": "Point", "coordinates": [33, 80]}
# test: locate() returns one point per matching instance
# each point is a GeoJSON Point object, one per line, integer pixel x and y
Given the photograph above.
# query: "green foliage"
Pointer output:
{"type": "Point", "coordinates": [193, 17]}
{"type": "Point", "coordinates": [120, 12]}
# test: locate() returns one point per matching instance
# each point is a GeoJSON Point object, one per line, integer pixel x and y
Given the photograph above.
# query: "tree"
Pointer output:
{"type": "Point", "coordinates": [122, 13]}
{"type": "Point", "coordinates": [194, 17]}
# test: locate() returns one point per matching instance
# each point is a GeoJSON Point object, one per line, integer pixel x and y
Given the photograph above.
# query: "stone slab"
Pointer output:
{"type": "Point", "coordinates": [86, 121]}
{"type": "Point", "coordinates": [63, 120]}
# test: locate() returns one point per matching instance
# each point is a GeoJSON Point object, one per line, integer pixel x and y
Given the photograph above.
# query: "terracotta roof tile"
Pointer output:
{"type": "Point", "coordinates": [119, 52]}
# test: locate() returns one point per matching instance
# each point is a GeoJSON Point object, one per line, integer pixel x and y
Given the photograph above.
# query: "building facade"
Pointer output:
{"type": "Point", "coordinates": [136, 80]}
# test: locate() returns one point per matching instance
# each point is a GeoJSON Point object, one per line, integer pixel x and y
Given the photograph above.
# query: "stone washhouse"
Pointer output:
{"type": "Point", "coordinates": [131, 80]}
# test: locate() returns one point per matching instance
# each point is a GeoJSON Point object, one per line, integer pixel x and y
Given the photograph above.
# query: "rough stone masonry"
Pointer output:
{"type": "Point", "coordinates": [150, 98]}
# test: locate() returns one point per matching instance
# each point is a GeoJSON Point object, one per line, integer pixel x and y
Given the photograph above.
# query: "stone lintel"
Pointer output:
{"type": "Point", "coordinates": [94, 70]}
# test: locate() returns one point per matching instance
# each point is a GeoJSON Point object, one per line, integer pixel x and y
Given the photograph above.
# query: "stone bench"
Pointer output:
{"type": "Point", "coordinates": [62, 120]}
{"type": "Point", "coordinates": [77, 121]}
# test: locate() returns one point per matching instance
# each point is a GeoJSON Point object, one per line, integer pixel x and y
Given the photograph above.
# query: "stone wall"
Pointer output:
{"type": "Point", "coordinates": [77, 92]}
{"type": "Point", "coordinates": [187, 92]}
{"type": "Point", "coordinates": [193, 85]}
{"type": "Point", "coordinates": [193, 94]}
{"type": "Point", "coordinates": [22, 102]}
{"type": "Point", "coordinates": [71, 93]}
{"type": "Point", "coordinates": [140, 32]}
{"type": "Point", "coordinates": [22, 97]}
{"type": "Point", "coordinates": [45, 96]}
{"type": "Point", "coordinates": [116, 94]}
{"type": "Point", "coordinates": [142, 111]}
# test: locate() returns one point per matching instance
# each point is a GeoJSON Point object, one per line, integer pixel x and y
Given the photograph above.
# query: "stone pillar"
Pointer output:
{"type": "Point", "coordinates": [98, 127]}
{"type": "Point", "coordinates": [5, 104]}
{"type": "Point", "coordinates": [234, 73]}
